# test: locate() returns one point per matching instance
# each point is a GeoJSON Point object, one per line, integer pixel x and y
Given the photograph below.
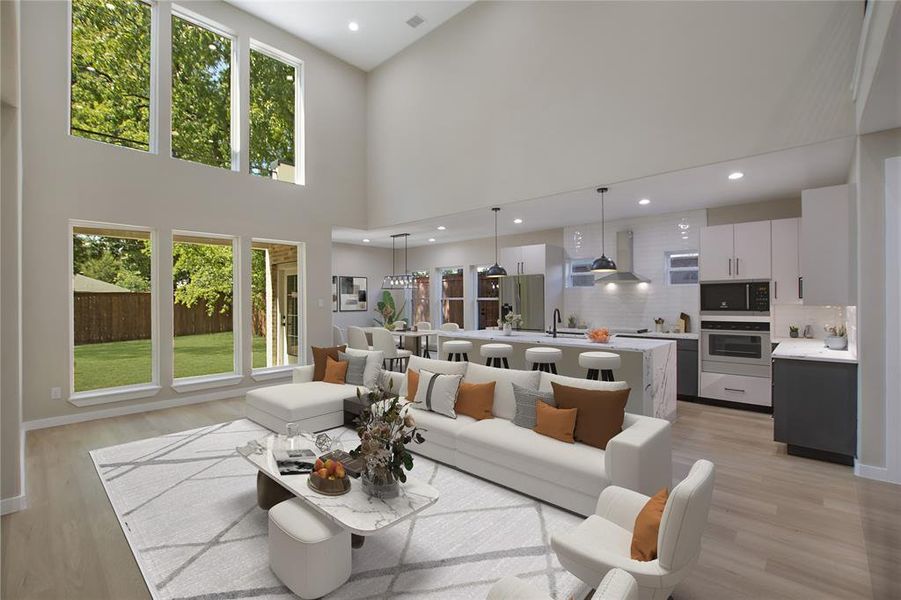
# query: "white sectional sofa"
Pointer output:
{"type": "Point", "coordinates": [568, 475]}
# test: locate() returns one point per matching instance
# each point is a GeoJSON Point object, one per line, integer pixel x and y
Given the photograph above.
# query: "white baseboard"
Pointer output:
{"type": "Point", "coordinates": [877, 473]}
{"type": "Point", "coordinates": [14, 504]}
{"type": "Point", "coordinates": [118, 411]}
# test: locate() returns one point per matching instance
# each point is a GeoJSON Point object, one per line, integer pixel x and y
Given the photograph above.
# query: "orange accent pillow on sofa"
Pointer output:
{"type": "Point", "coordinates": [319, 356]}
{"type": "Point", "coordinates": [558, 423]}
{"type": "Point", "coordinates": [647, 526]}
{"type": "Point", "coordinates": [412, 384]}
{"type": "Point", "coordinates": [335, 371]}
{"type": "Point", "coordinates": [475, 400]}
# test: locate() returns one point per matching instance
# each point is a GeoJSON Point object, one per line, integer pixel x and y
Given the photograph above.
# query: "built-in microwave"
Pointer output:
{"type": "Point", "coordinates": [736, 298]}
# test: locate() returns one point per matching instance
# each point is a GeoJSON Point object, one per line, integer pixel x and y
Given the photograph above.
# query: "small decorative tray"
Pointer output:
{"type": "Point", "coordinates": [328, 487]}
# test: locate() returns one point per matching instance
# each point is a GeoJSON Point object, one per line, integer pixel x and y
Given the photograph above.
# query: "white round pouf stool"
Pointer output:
{"type": "Point", "coordinates": [544, 359]}
{"type": "Point", "coordinates": [496, 354]}
{"type": "Point", "coordinates": [457, 350]}
{"type": "Point", "coordinates": [309, 553]}
{"type": "Point", "coordinates": [600, 362]}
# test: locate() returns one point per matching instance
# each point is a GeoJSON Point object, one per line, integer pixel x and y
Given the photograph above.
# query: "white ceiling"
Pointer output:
{"type": "Point", "coordinates": [383, 24]}
{"type": "Point", "coordinates": [771, 176]}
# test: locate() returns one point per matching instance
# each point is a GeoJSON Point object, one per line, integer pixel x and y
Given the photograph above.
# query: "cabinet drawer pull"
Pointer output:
{"type": "Point", "coordinates": [734, 390]}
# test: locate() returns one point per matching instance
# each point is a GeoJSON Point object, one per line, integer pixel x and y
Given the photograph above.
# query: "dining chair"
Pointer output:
{"type": "Point", "coordinates": [383, 341]}
{"type": "Point", "coordinates": [337, 335]}
{"type": "Point", "coordinates": [356, 338]}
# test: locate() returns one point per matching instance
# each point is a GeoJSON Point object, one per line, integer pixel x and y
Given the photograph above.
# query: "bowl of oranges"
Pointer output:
{"type": "Point", "coordinates": [599, 336]}
{"type": "Point", "coordinates": [329, 477]}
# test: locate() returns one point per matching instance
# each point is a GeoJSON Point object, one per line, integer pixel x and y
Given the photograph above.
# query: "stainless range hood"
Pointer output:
{"type": "Point", "coordinates": [624, 273]}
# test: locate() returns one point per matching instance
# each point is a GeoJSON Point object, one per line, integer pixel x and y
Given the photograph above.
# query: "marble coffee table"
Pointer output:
{"type": "Point", "coordinates": [356, 511]}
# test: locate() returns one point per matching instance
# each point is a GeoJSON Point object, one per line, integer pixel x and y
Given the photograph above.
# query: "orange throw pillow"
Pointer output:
{"type": "Point", "coordinates": [647, 526]}
{"type": "Point", "coordinates": [335, 371]}
{"type": "Point", "coordinates": [601, 412]}
{"type": "Point", "coordinates": [558, 423]}
{"type": "Point", "coordinates": [319, 356]}
{"type": "Point", "coordinates": [412, 384]}
{"type": "Point", "coordinates": [475, 400]}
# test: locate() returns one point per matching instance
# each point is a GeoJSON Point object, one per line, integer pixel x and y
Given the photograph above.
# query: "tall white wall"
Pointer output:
{"type": "Point", "coordinates": [515, 100]}
{"type": "Point", "coordinates": [72, 178]}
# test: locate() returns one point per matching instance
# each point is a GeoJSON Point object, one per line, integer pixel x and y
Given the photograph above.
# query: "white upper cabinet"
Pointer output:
{"type": "Point", "coordinates": [752, 250]}
{"type": "Point", "coordinates": [511, 259]}
{"type": "Point", "coordinates": [524, 260]}
{"type": "Point", "coordinates": [786, 286]}
{"type": "Point", "coordinates": [825, 248]}
{"type": "Point", "coordinates": [740, 251]}
{"type": "Point", "coordinates": [716, 253]}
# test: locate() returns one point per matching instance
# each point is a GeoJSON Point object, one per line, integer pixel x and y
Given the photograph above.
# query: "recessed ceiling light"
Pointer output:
{"type": "Point", "coordinates": [736, 175]}
{"type": "Point", "coordinates": [365, 240]}
{"type": "Point", "coordinates": [441, 228]}
{"type": "Point", "coordinates": [644, 201]}
{"type": "Point", "coordinates": [431, 239]}
{"type": "Point", "coordinates": [353, 26]}
{"type": "Point", "coordinates": [517, 221]}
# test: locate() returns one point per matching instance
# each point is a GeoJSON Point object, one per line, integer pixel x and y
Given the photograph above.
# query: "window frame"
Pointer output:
{"type": "Point", "coordinates": [668, 269]}
{"type": "Point", "coordinates": [123, 392]}
{"type": "Point", "coordinates": [299, 141]}
{"type": "Point", "coordinates": [442, 297]}
{"type": "Point", "coordinates": [199, 382]}
{"type": "Point", "coordinates": [153, 120]}
{"type": "Point", "coordinates": [568, 279]}
{"type": "Point", "coordinates": [476, 272]}
{"type": "Point", "coordinates": [264, 373]}
{"type": "Point", "coordinates": [181, 12]}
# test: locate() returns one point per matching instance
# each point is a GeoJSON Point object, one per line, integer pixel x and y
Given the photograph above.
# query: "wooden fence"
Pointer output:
{"type": "Point", "coordinates": [120, 316]}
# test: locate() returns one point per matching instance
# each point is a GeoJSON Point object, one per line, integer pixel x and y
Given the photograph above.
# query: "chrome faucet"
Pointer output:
{"type": "Point", "coordinates": [556, 319]}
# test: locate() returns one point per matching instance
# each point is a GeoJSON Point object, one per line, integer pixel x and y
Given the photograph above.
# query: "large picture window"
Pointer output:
{"type": "Point", "coordinates": [110, 72]}
{"type": "Point", "coordinates": [112, 317]}
{"type": "Point", "coordinates": [273, 118]}
{"type": "Point", "coordinates": [276, 304]}
{"type": "Point", "coordinates": [420, 297]}
{"type": "Point", "coordinates": [201, 94]}
{"type": "Point", "coordinates": [203, 282]}
{"type": "Point", "coordinates": [452, 296]}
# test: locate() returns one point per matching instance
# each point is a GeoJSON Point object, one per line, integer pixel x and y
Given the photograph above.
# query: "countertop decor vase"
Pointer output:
{"type": "Point", "coordinates": [835, 342]}
{"type": "Point", "coordinates": [380, 483]}
{"type": "Point", "coordinates": [508, 329]}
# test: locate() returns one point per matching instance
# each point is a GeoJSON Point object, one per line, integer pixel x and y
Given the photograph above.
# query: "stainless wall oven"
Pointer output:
{"type": "Point", "coordinates": [736, 347]}
{"type": "Point", "coordinates": [736, 298]}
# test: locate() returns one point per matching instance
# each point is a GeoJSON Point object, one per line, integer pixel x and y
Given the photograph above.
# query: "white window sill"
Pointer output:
{"type": "Point", "coordinates": [106, 396]}
{"type": "Point", "coordinates": [205, 382]}
{"type": "Point", "coordinates": [270, 373]}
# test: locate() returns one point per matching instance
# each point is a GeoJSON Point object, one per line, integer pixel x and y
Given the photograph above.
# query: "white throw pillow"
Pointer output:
{"type": "Point", "coordinates": [374, 360]}
{"type": "Point", "coordinates": [438, 393]}
{"type": "Point", "coordinates": [504, 405]}
{"type": "Point", "coordinates": [444, 367]}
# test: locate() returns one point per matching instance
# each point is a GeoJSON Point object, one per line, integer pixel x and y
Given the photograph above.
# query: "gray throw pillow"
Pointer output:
{"type": "Point", "coordinates": [526, 400]}
{"type": "Point", "coordinates": [355, 367]}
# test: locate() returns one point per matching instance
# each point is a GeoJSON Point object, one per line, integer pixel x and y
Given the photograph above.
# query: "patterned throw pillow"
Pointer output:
{"type": "Point", "coordinates": [526, 400]}
{"type": "Point", "coordinates": [438, 393]}
{"type": "Point", "coordinates": [356, 365]}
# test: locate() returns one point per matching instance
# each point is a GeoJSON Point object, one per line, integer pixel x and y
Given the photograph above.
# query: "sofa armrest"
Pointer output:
{"type": "Point", "coordinates": [640, 457]}
{"type": "Point", "coordinates": [620, 506]}
{"type": "Point", "coordinates": [302, 374]}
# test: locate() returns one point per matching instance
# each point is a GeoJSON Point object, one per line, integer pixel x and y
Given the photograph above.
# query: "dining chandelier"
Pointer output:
{"type": "Point", "coordinates": [398, 281]}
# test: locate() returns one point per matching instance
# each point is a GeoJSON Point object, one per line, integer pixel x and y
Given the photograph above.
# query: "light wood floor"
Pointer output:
{"type": "Point", "coordinates": [780, 526]}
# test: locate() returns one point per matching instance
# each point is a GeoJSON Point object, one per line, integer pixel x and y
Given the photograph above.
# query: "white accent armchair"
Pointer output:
{"type": "Point", "coordinates": [603, 541]}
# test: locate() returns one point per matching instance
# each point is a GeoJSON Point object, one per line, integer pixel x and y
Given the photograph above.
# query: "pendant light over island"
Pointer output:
{"type": "Point", "coordinates": [603, 264]}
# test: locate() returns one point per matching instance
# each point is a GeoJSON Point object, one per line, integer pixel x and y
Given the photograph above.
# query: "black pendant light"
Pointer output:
{"type": "Point", "coordinates": [398, 281]}
{"type": "Point", "coordinates": [495, 270]}
{"type": "Point", "coordinates": [603, 264]}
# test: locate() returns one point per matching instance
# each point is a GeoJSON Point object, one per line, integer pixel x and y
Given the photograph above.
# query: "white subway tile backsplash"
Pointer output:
{"type": "Point", "coordinates": [784, 315]}
{"type": "Point", "coordinates": [636, 305]}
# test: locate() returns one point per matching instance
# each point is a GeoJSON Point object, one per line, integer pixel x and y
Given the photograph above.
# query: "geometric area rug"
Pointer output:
{"type": "Point", "coordinates": [187, 505]}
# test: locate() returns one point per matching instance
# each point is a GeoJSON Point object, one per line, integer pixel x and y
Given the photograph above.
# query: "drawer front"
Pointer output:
{"type": "Point", "coordinates": [737, 388]}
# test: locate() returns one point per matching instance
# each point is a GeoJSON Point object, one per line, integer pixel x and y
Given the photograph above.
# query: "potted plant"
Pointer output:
{"type": "Point", "coordinates": [793, 331]}
{"type": "Point", "coordinates": [385, 430]}
{"type": "Point", "coordinates": [510, 321]}
{"type": "Point", "coordinates": [836, 337]}
{"type": "Point", "coordinates": [388, 311]}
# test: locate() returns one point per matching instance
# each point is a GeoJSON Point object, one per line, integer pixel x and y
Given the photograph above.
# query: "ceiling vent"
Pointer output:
{"type": "Point", "coordinates": [415, 21]}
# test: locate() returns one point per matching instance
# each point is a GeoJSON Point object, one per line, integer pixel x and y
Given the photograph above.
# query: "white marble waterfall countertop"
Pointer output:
{"type": "Point", "coordinates": [804, 349]}
{"type": "Point", "coordinates": [616, 344]}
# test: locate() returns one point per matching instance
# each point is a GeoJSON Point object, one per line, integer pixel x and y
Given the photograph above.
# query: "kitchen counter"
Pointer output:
{"type": "Point", "coordinates": [807, 349]}
{"type": "Point", "coordinates": [650, 334]}
{"type": "Point", "coordinates": [648, 365]}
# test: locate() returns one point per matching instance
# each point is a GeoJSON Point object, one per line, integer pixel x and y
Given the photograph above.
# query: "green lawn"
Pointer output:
{"type": "Point", "coordinates": [127, 363]}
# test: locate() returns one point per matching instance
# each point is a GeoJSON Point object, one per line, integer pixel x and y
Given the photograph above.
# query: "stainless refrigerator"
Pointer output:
{"type": "Point", "coordinates": [523, 295]}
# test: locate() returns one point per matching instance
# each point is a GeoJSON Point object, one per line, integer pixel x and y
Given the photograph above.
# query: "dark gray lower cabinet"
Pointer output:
{"type": "Point", "coordinates": [815, 408]}
{"type": "Point", "coordinates": [686, 363]}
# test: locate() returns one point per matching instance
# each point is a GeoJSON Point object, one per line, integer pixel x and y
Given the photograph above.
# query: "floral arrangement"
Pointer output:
{"type": "Point", "coordinates": [836, 330]}
{"type": "Point", "coordinates": [385, 430]}
{"type": "Point", "coordinates": [600, 335]}
{"type": "Point", "coordinates": [512, 319]}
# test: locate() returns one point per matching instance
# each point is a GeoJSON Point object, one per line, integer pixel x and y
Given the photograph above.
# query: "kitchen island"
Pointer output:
{"type": "Point", "coordinates": [648, 365]}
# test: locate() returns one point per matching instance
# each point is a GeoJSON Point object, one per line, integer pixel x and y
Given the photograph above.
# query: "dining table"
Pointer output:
{"type": "Point", "coordinates": [409, 339]}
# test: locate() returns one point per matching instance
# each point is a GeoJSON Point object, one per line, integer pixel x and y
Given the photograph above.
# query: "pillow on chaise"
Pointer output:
{"type": "Point", "coordinates": [373, 370]}
{"type": "Point", "coordinates": [335, 371]}
{"type": "Point", "coordinates": [601, 412]}
{"type": "Point", "coordinates": [319, 356]}
{"type": "Point", "coordinates": [475, 400]}
{"type": "Point", "coordinates": [647, 527]}
{"type": "Point", "coordinates": [526, 399]}
{"type": "Point", "coordinates": [557, 423]}
{"type": "Point", "coordinates": [437, 392]}
{"type": "Point", "coordinates": [356, 366]}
